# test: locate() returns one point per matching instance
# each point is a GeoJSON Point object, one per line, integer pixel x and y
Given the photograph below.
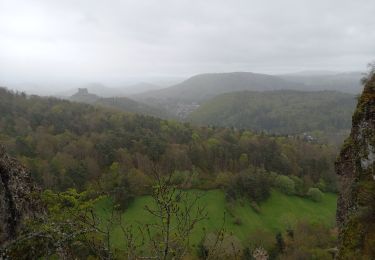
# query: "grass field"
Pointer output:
{"type": "Point", "coordinates": [276, 214]}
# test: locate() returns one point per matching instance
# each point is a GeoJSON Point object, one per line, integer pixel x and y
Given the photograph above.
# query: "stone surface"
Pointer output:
{"type": "Point", "coordinates": [356, 169]}
{"type": "Point", "coordinates": [18, 197]}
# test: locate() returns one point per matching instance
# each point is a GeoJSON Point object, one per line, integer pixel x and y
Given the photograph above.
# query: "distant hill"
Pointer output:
{"type": "Point", "coordinates": [283, 112]}
{"type": "Point", "coordinates": [105, 91]}
{"type": "Point", "coordinates": [346, 82]}
{"type": "Point", "coordinates": [129, 105]}
{"type": "Point", "coordinates": [94, 88]}
{"type": "Point", "coordinates": [120, 103]}
{"type": "Point", "coordinates": [183, 98]}
{"type": "Point", "coordinates": [204, 86]}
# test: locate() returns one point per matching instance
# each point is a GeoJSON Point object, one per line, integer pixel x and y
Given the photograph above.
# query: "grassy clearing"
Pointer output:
{"type": "Point", "coordinates": [277, 213]}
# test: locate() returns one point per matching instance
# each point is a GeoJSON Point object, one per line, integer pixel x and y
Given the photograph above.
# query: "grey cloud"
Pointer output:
{"type": "Point", "coordinates": [112, 40]}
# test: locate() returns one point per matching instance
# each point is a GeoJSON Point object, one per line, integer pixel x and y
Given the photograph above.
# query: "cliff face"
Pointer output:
{"type": "Point", "coordinates": [17, 197]}
{"type": "Point", "coordinates": [356, 169]}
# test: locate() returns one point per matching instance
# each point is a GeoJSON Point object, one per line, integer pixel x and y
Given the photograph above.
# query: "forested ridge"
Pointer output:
{"type": "Point", "coordinates": [282, 111]}
{"type": "Point", "coordinates": [120, 103]}
{"type": "Point", "coordinates": [70, 145]}
{"type": "Point", "coordinates": [80, 154]}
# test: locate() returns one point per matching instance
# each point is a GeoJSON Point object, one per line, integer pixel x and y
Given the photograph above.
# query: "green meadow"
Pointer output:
{"type": "Point", "coordinates": [277, 213]}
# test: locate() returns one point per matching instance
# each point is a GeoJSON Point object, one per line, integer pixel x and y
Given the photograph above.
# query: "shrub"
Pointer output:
{"type": "Point", "coordinates": [261, 238]}
{"type": "Point", "coordinates": [299, 186]}
{"type": "Point", "coordinates": [179, 177]}
{"type": "Point", "coordinates": [285, 184]}
{"type": "Point", "coordinates": [229, 206]}
{"type": "Point", "coordinates": [321, 185]}
{"type": "Point", "coordinates": [223, 179]}
{"type": "Point", "coordinates": [309, 241]}
{"type": "Point", "coordinates": [255, 206]}
{"type": "Point", "coordinates": [253, 184]}
{"type": "Point", "coordinates": [315, 194]}
{"type": "Point", "coordinates": [218, 246]}
{"type": "Point", "coordinates": [237, 221]}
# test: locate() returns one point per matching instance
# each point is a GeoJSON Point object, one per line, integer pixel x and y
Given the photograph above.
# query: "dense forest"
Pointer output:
{"type": "Point", "coordinates": [70, 144]}
{"type": "Point", "coordinates": [282, 112]}
{"type": "Point", "coordinates": [120, 103]}
{"type": "Point", "coordinates": [182, 130]}
{"type": "Point", "coordinates": [79, 153]}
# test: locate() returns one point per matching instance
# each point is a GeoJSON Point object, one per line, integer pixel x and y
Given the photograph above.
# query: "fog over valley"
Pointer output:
{"type": "Point", "coordinates": [53, 46]}
{"type": "Point", "coordinates": [187, 129]}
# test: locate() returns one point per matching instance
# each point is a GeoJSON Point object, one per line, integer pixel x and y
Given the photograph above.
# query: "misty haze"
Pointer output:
{"type": "Point", "coordinates": [187, 129]}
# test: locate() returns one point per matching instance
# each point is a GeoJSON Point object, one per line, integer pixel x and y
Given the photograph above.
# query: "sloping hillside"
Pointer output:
{"type": "Point", "coordinates": [120, 103]}
{"type": "Point", "coordinates": [285, 111]}
{"type": "Point", "coordinates": [349, 82]}
{"type": "Point", "coordinates": [205, 86]}
{"type": "Point", "coordinates": [279, 212]}
{"type": "Point", "coordinates": [128, 105]}
{"type": "Point", "coordinates": [67, 144]}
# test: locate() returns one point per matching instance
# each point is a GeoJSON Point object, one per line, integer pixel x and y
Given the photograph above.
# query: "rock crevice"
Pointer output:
{"type": "Point", "coordinates": [18, 197]}
{"type": "Point", "coordinates": [356, 169]}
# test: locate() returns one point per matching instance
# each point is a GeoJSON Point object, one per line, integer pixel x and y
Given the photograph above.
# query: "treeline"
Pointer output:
{"type": "Point", "coordinates": [282, 112]}
{"type": "Point", "coordinates": [72, 145]}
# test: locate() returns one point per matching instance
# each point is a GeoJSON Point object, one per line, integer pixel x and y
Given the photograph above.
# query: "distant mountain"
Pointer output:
{"type": "Point", "coordinates": [282, 112]}
{"type": "Point", "coordinates": [183, 98]}
{"type": "Point", "coordinates": [120, 103]}
{"type": "Point", "coordinates": [349, 82]}
{"type": "Point", "coordinates": [204, 86]}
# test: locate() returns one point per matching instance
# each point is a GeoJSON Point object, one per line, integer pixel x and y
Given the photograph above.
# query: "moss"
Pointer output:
{"type": "Point", "coordinates": [357, 235]}
{"type": "Point", "coordinates": [369, 244]}
{"type": "Point", "coordinates": [348, 143]}
{"type": "Point", "coordinates": [351, 239]}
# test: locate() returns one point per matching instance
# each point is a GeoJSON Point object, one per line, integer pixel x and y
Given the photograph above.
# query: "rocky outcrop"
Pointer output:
{"type": "Point", "coordinates": [356, 169]}
{"type": "Point", "coordinates": [18, 197]}
{"type": "Point", "coordinates": [84, 96]}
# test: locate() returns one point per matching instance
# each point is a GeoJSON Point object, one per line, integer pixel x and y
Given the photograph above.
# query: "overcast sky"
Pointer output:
{"type": "Point", "coordinates": [112, 40]}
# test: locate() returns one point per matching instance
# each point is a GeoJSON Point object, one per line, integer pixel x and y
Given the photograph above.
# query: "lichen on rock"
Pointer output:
{"type": "Point", "coordinates": [18, 197]}
{"type": "Point", "coordinates": [356, 168]}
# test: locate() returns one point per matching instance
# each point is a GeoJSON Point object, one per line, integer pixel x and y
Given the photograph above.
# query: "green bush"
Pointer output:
{"type": "Point", "coordinates": [315, 194]}
{"type": "Point", "coordinates": [223, 179]}
{"type": "Point", "coordinates": [179, 177]}
{"type": "Point", "coordinates": [255, 206]}
{"type": "Point", "coordinates": [253, 184]}
{"type": "Point", "coordinates": [299, 185]}
{"type": "Point", "coordinates": [285, 184]}
{"type": "Point", "coordinates": [238, 221]}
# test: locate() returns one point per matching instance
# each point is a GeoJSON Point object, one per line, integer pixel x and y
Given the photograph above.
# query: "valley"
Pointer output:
{"type": "Point", "coordinates": [187, 130]}
{"type": "Point", "coordinates": [277, 214]}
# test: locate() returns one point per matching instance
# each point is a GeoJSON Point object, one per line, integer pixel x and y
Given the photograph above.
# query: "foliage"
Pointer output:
{"type": "Point", "coordinates": [299, 185]}
{"type": "Point", "coordinates": [261, 238]}
{"type": "Point", "coordinates": [176, 216]}
{"type": "Point", "coordinates": [309, 241]}
{"type": "Point", "coordinates": [370, 73]}
{"type": "Point", "coordinates": [72, 145]}
{"type": "Point", "coordinates": [315, 194]}
{"type": "Point", "coordinates": [276, 214]}
{"type": "Point", "coordinates": [253, 184]}
{"type": "Point", "coordinates": [285, 184]}
{"type": "Point", "coordinates": [221, 246]}
{"type": "Point", "coordinates": [282, 112]}
{"type": "Point", "coordinates": [69, 229]}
